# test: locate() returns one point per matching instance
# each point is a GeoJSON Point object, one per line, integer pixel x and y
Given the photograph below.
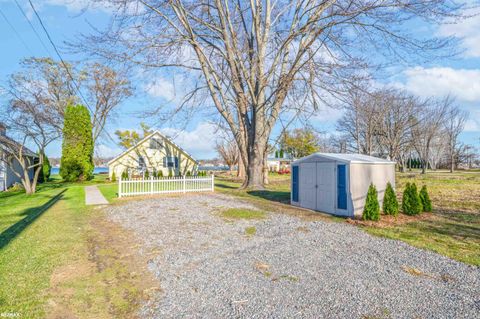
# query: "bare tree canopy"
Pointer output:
{"type": "Point", "coordinates": [31, 120]}
{"type": "Point", "coordinates": [259, 60]}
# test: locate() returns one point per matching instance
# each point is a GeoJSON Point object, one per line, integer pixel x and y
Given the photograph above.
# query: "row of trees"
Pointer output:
{"type": "Point", "coordinates": [393, 124]}
{"type": "Point", "coordinates": [40, 94]}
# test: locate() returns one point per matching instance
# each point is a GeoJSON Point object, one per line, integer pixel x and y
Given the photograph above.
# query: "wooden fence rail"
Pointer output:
{"type": "Point", "coordinates": [165, 185]}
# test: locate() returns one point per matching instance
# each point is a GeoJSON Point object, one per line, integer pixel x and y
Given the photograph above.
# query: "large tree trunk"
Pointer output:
{"type": "Point", "coordinates": [452, 162]}
{"type": "Point", "coordinates": [256, 160]}
{"type": "Point", "coordinates": [241, 167]}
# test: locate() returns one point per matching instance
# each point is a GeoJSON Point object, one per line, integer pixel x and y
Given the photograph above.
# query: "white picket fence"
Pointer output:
{"type": "Point", "coordinates": [165, 185]}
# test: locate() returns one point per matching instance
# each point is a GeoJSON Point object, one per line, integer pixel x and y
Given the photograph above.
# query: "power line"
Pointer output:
{"type": "Point", "coordinates": [77, 87]}
{"type": "Point", "coordinates": [16, 33]}
{"type": "Point", "coordinates": [33, 28]}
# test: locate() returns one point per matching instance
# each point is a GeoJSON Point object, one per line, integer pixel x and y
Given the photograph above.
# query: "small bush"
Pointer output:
{"type": "Point", "coordinates": [425, 199]}
{"type": "Point", "coordinates": [146, 175]}
{"type": "Point", "coordinates": [160, 173]}
{"type": "Point", "coordinates": [411, 204]}
{"type": "Point", "coordinates": [125, 175]}
{"type": "Point", "coordinates": [113, 178]}
{"type": "Point", "coordinates": [188, 173]}
{"type": "Point", "coordinates": [372, 207]}
{"type": "Point", "coordinates": [170, 173]}
{"type": "Point", "coordinates": [390, 203]}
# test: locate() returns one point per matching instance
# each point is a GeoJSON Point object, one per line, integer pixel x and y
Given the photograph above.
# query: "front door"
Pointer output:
{"type": "Point", "coordinates": [326, 187]}
{"type": "Point", "coordinates": [308, 183]}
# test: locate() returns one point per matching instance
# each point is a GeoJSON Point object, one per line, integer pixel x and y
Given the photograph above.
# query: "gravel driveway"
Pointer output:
{"type": "Point", "coordinates": [291, 268]}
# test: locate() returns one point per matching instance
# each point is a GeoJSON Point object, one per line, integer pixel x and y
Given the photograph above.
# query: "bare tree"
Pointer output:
{"type": "Point", "coordinates": [261, 60]}
{"type": "Point", "coordinates": [106, 89]}
{"type": "Point", "coordinates": [361, 121]}
{"type": "Point", "coordinates": [453, 125]}
{"type": "Point", "coordinates": [397, 114]}
{"type": "Point", "coordinates": [428, 126]}
{"type": "Point", "coordinates": [228, 150]}
{"type": "Point", "coordinates": [33, 122]}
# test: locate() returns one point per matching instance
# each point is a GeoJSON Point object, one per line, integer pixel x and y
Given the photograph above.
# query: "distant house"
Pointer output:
{"type": "Point", "coordinates": [279, 161]}
{"type": "Point", "coordinates": [154, 153]}
{"type": "Point", "coordinates": [8, 161]}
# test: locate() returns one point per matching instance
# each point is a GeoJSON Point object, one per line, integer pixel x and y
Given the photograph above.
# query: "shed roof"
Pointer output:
{"type": "Point", "coordinates": [342, 157]}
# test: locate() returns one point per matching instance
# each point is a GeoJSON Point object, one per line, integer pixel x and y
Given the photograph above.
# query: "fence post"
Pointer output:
{"type": "Point", "coordinates": [213, 183]}
{"type": "Point", "coordinates": [120, 186]}
{"type": "Point", "coordinates": [184, 186]}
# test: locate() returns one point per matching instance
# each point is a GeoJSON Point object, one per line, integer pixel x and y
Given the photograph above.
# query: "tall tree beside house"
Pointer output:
{"type": "Point", "coordinates": [299, 142]}
{"type": "Point", "coordinates": [77, 147]}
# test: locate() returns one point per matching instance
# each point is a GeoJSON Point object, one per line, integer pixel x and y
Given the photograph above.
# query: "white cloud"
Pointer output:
{"type": "Point", "coordinates": [467, 31]}
{"type": "Point", "coordinates": [464, 84]}
{"type": "Point", "coordinates": [199, 142]}
{"type": "Point", "coordinates": [105, 151]}
{"type": "Point", "coordinates": [161, 87]}
{"type": "Point", "coordinates": [473, 122]}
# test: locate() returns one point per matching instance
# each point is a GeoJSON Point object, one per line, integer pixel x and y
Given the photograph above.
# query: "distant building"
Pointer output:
{"type": "Point", "coordinates": [154, 153]}
{"type": "Point", "coordinates": [8, 163]}
{"type": "Point", "coordinates": [279, 161]}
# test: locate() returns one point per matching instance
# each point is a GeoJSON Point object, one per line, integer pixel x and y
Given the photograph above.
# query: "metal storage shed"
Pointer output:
{"type": "Point", "coordinates": [338, 183]}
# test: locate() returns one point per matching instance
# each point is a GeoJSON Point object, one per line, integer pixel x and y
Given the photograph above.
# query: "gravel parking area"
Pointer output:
{"type": "Point", "coordinates": [290, 268]}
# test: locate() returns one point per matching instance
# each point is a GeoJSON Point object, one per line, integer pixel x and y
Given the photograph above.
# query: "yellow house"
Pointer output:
{"type": "Point", "coordinates": [154, 153]}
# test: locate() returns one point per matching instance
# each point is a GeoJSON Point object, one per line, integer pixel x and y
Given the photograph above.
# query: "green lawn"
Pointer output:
{"type": "Point", "coordinates": [52, 253]}
{"type": "Point", "coordinates": [453, 229]}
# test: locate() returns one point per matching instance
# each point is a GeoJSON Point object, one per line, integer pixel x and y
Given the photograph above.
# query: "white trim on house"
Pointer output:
{"type": "Point", "coordinates": [146, 138]}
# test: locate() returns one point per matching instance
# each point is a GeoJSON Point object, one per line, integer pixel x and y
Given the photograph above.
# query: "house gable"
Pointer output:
{"type": "Point", "coordinates": [148, 139]}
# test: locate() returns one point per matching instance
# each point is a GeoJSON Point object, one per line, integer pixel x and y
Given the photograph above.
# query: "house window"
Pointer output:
{"type": "Point", "coordinates": [156, 144]}
{"type": "Point", "coordinates": [141, 162]}
{"type": "Point", "coordinates": [170, 161]}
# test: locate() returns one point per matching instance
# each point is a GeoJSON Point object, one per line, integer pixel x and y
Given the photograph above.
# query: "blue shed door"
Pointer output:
{"type": "Point", "coordinates": [342, 186]}
{"type": "Point", "coordinates": [295, 183]}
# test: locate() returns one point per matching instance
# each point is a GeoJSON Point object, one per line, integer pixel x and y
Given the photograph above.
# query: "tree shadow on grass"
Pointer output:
{"type": "Point", "coordinates": [275, 196]}
{"type": "Point", "coordinates": [31, 215]}
{"type": "Point", "coordinates": [226, 186]}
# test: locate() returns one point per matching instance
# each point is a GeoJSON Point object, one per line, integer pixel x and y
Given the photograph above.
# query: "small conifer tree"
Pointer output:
{"type": "Point", "coordinates": [146, 175]}
{"type": "Point", "coordinates": [390, 203]}
{"type": "Point", "coordinates": [170, 173]}
{"type": "Point", "coordinates": [113, 178]}
{"type": "Point", "coordinates": [372, 207]}
{"type": "Point", "coordinates": [425, 199]}
{"type": "Point", "coordinates": [411, 204]}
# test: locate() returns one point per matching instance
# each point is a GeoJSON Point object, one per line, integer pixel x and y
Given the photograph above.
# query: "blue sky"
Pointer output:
{"type": "Point", "coordinates": [65, 18]}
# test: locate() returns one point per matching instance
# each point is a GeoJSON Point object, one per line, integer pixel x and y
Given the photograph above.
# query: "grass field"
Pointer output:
{"type": "Point", "coordinates": [59, 258]}
{"type": "Point", "coordinates": [453, 229]}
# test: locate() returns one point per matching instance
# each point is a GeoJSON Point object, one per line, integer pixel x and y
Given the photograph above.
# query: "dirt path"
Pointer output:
{"type": "Point", "coordinates": [108, 279]}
